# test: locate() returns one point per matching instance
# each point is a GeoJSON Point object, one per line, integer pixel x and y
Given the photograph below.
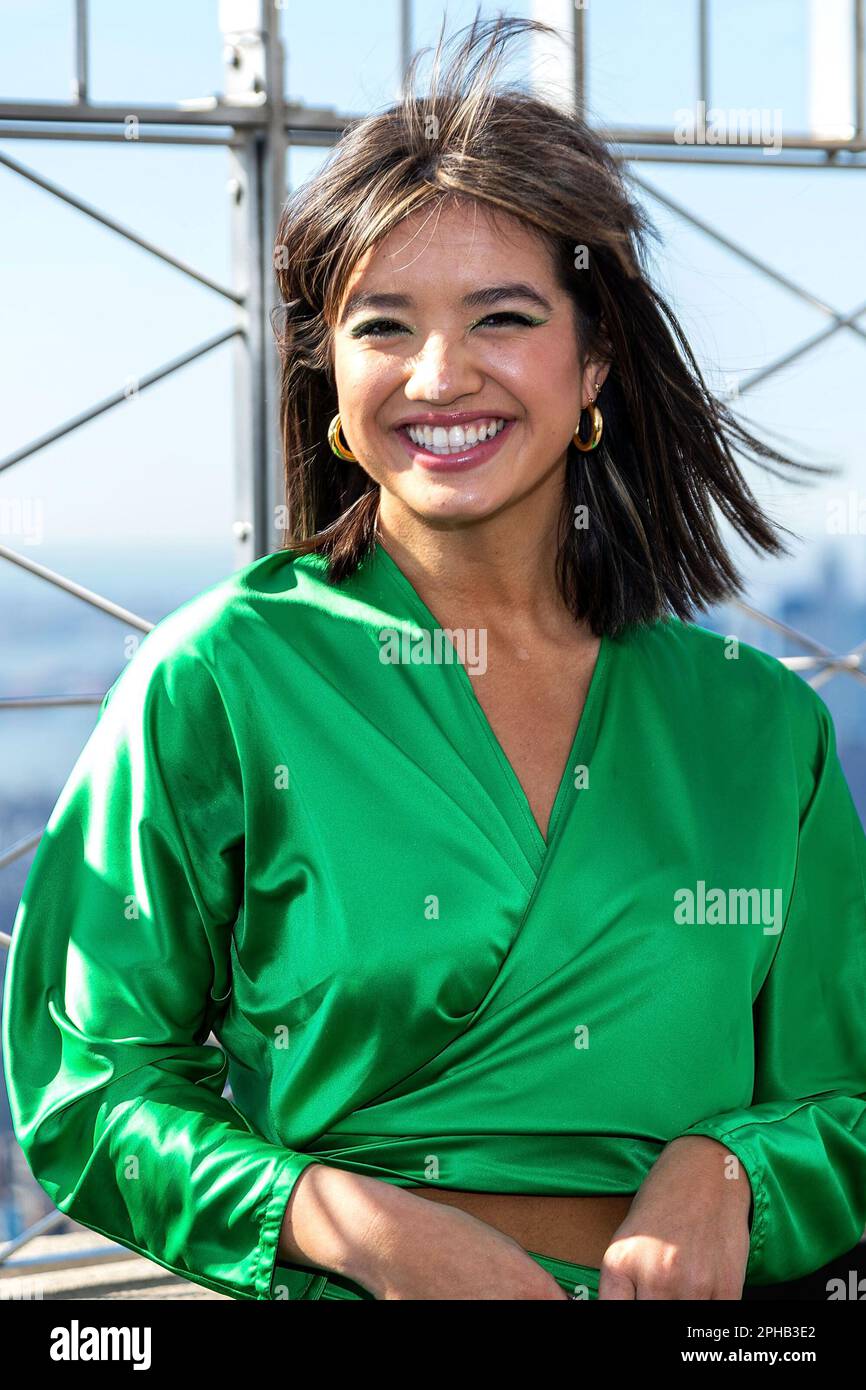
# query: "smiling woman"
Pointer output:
{"type": "Point", "coordinates": [476, 253]}
{"type": "Point", "coordinates": [406, 812]}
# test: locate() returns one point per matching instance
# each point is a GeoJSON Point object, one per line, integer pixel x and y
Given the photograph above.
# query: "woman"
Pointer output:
{"type": "Point", "coordinates": [529, 914]}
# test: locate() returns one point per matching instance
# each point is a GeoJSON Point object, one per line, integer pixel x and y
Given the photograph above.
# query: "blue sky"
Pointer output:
{"type": "Point", "coordinates": [84, 312]}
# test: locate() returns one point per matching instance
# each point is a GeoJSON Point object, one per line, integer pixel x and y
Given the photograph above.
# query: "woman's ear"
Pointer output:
{"type": "Point", "coordinates": [604, 352]}
{"type": "Point", "coordinates": [599, 359]}
{"type": "Point", "coordinates": [594, 375]}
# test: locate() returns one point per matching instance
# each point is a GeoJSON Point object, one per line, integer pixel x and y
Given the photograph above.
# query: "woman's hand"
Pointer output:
{"type": "Point", "coordinates": [399, 1246]}
{"type": "Point", "coordinates": [686, 1235]}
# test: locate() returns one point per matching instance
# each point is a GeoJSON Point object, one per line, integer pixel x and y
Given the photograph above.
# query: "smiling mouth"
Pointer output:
{"type": "Point", "coordinates": [460, 446]}
{"type": "Point", "coordinates": [439, 440]}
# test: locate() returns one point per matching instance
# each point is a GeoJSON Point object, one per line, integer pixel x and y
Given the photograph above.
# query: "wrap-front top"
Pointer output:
{"type": "Point", "coordinates": [293, 857]}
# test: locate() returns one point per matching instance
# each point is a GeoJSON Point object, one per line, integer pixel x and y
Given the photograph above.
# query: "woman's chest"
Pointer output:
{"type": "Point", "coordinates": [389, 871]}
{"type": "Point", "coordinates": [393, 942]}
{"type": "Point", "coordinates": [533, 709]}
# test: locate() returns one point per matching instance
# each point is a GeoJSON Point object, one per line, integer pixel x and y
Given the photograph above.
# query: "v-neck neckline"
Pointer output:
{"type": "Point", "coordinates": [541, 843]}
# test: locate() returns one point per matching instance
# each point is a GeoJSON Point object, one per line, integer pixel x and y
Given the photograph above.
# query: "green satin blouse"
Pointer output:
{"type": "Point", "coordinates": [296, 833]}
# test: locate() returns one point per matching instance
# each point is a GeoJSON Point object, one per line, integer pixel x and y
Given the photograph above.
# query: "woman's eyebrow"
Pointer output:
{"type": "Point", "coordinates": [490, 294]}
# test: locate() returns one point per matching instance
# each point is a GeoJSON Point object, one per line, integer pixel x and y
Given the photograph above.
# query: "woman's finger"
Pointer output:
{"type": "Point", "coordinates": [614, 1284]}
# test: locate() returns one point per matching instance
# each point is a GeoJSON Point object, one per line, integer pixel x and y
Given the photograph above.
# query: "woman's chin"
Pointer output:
{"type": "Point", "coordinates": [455, 508]}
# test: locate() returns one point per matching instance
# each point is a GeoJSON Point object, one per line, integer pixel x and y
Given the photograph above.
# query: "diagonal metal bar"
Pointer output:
{"type": "Point", "coordinates": [120, 397]}
{"type": "Point", "coordinates": [841, 320]}
{"type": "Point", "coordinates": [28, 1267]}
{"type": "Point", "coordinates": [807, 345]}
{"type": "Point", "coordinates": [854, 658]}
{"type": "Point", "coordinates": [785, 629]}
{"type": "Point", "coordinates": [816, 648]}
{"type": "Point", "coordinates": [825, 665]}
{"type": "Point", "coordinates": [105, 605]}
{"type": "Point", "coordinates": [20, 848]}
{"type": "Point", "coordinates": [48, 701]}
{"type": "Point", "coordinates": [45, 1223]}
{"type": "Point", "coordinates": [90, 211]}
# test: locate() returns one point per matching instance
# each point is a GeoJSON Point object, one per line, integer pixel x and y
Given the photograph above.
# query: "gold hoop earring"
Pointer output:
{"type": "Point", "coordinates": [337, 443]}
{"type": "Point", "coordinates": [595, 435]}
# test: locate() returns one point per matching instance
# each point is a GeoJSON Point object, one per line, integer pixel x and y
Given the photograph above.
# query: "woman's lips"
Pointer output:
{"type": "Point", "coordinates": [462, 459]}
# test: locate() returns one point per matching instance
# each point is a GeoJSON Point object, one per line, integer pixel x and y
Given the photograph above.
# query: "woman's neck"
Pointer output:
{"type": "Point", "coordinates": [498, 572]}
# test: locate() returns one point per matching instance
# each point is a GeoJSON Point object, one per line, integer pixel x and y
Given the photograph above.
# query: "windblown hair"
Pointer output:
{"type": "Point", "coordinates": [668, 450]}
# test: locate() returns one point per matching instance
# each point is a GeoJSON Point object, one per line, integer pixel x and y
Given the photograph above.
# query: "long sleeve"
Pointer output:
{"type": "Point", "coordinates": [802, 1142]}
{"type": "Point", "coordinates": [120, 964]}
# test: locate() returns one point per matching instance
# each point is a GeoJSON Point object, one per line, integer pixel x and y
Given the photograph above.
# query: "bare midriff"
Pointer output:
{"type": "Point", "coordinates": [577, 1229]}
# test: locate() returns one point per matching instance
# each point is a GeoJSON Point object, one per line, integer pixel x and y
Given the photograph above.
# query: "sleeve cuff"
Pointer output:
{"type": "Point", "coordinates": [751, 1166]}
{"type": "Point", "coordinates": [272, 1221]}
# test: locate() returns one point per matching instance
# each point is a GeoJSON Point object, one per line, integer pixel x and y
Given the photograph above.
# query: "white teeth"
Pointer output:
{"type": "Point", "coordinates": [438, 440]}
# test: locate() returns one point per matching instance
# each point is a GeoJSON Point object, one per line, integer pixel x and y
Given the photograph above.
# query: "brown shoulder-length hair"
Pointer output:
{"type": "Point", "coordinates": [652, 544]}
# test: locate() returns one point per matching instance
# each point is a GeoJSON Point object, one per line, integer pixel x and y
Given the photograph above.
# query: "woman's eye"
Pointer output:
{"type": "Point", "coordinates": [510, 317]}
{"type": "Point", "coordinates": [378, 328]}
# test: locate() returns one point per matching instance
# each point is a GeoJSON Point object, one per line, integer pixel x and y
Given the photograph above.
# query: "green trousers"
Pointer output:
{"type": "Point", "coordinates": [579, 1281]}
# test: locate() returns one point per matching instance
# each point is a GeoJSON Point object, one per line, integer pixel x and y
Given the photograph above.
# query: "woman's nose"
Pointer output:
{"type": "Point", "coordinates": [442, 370]}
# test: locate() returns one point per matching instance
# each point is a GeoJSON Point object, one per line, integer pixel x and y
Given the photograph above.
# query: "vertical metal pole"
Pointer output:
{"type": "Point", "coordinates": [80, 81]}
{"type": "Point", "coordinates": [704, 58]}
{"type": "Point", "coordinates": [257, 189]}
{"type": "Point", "coordinates": [580, 61]}
{"type": "Point", "coordinates": [244, 194]}
{"type": "Point", "coordinates": [274, 156]}
{"type": "Point", "coordinates": [405, 36]}
{"type": "Point", "coordinates": [859, 94]}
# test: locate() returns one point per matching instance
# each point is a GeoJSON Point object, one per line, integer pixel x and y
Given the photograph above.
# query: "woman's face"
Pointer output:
{"type": "Point", "coordinates": [458, 376]}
